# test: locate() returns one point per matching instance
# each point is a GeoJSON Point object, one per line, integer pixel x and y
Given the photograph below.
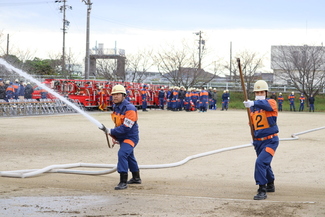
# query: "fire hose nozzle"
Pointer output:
{"type": "Point", "coordinates": [103, 128]}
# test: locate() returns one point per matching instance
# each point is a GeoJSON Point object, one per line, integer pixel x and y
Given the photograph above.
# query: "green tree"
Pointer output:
{"type": "Point", "coordinates": [40, 67]}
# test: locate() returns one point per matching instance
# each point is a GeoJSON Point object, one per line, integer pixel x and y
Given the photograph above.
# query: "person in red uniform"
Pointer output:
{"type": "Point", "coordinates": [263, 114]}
{"type": "Point", "coordinates": [126, 134]}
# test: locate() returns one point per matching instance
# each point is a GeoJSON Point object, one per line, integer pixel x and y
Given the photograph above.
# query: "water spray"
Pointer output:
{"type": "Point", "coordinates": [29, 77]}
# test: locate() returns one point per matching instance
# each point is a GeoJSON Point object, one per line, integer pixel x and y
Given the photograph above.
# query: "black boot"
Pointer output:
{"type": "Point", "coordinates": [270, 187]}
{"type": "Point", "coordinates": [261, 193]}
{"type": "Point", "coordinates": [123, 182]}
{"type": "Point", "coordinates": [135, 178]}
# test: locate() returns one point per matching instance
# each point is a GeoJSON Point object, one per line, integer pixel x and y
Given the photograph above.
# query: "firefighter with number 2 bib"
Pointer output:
{"type": "Point", "coordinates": [263, 114]}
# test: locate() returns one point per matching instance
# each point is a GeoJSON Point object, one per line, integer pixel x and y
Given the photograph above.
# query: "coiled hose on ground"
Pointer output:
{"type": "Point", "coordinates": [64, 168]}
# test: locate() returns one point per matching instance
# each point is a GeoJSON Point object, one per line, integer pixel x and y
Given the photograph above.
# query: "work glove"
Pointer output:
{"type": "Point", "coordinates": [248, 103]}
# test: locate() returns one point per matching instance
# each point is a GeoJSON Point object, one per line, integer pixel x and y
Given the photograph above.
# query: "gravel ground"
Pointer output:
{"type": "Point", "coordinates": [219, 184]}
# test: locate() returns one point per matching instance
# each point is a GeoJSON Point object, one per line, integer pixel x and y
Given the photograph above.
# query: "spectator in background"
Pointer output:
{"type": "Point", "coordinates": [204, 100]}
{"type": "Point", "coordinates": [2, 89]}
{"type": "Point", "coordinates": [273, 96]}
{"type": "Point", "coordinates": [44, 94]}
{"type": "Point", "coordinates": [144, 97]}
{"type": "Point", "coordinates": [280, 101]}
{"type": "Point", "coordinates": [311, 103]}
{"type": "Point", "coordinates": [161, 97]}
{"type": "Point", "coordinates": [302, 102]}
{"type": "Point", "coordinates": [214, 99]}
{"type": "Point", "coordinates": [225, 100]}
{"type": "Point", "coordinates": [15, 85]}
{"type": "Point", "coordinates": [291, 99]}
{"type": "Point", "coordinates": [210, 97]}
{"type": "Point", "coordinates": [7, 83]}
{"type": "Point", "coordinates": [10, 92]}
{"type": "Point", "coordinates": [28, 91]}
{"type": "Point", "coordinates": [21, 90]}
{"type": "Point", "coordinates": [181, 97]}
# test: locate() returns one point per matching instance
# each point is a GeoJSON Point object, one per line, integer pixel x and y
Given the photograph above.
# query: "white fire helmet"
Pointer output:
{"type": "Point", "coordinates": [118, 89]}
{"type": "Point", "coordinates": [261, 85]}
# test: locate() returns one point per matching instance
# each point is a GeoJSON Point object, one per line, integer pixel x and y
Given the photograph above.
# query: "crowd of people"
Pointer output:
{"type": "Point", "coordinates": [172, 98]}
{"type": "Point", "coordinates": [17, 90]}
{"type": "Point", "coordinates": [291, 99]}
{"type": "Point", "coordinates": [191, 99]}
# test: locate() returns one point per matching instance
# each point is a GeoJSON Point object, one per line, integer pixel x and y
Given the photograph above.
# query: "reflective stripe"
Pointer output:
{"type": "Point", "coordinates": [129, 141]}
{"type": "Point", "coordinates": [270, 151]}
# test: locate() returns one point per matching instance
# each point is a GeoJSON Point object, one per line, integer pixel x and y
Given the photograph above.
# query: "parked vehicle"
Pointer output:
{"type": "Point", "coordinates": [96, 94]}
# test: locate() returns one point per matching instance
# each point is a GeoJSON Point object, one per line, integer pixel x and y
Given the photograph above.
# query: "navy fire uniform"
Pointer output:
{"type": "Point", "coordinates": [144, 98]}
{"type": "Point", "coordinates": [302, 102]}
{"type": "Point", "coordinates": [291, 99]}
{"type": "Point", "coordinates": [280, 102]}
{"type": "Point", "coordinates": [187, 101]}
{"type": "Point", "coordinates": [10, 92]}
{"type": "Point", "coordinates": [194, 98]}
{"type": "Point", "coordinates": [174, 100]}
{"type": "Point", "coordinates": [161, 98]}
{"type": "Point", "coordinates": [264, 119]}
{"type": "Point", "coordinates": [126, 132]}
{"type": "Point", "coordinates": [225, 100]}
{"type": "Point", "coordinates": [204, 100]}
{"type": "Point", "coordinates": [15, 85]}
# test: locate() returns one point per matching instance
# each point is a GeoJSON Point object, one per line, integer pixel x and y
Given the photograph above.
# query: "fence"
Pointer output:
{"type": "Point", "coordinates": [25, 107]}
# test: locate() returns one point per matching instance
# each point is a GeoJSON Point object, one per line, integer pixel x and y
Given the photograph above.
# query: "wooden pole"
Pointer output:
{"type": "Point", "coordinates": [246, 98]}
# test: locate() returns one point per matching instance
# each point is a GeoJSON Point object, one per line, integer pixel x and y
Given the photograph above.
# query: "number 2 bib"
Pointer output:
{"type": "Point", "coordinates": [259, 120]}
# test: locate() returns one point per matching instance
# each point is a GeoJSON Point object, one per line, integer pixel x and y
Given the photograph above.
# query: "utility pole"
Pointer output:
{"type": "Point", "coordinates": [7, 44]}
{"type": "Point", "coordinates": [65, 25]}
{"type": "Point", "coordinates": [87, 60]}
{"type": "Point", "coordinates": [201, 42]}
{"type": "Point", "coordinates": [230, 60]}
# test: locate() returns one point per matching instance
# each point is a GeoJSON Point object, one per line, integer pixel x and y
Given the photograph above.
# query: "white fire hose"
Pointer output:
{"type": "Point", "coordinates": [63, 168]}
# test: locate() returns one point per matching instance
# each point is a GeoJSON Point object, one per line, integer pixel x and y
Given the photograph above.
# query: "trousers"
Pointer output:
{"type": "Point", "coordinates": [126, 159]}
{"type": "Point", "coordinates": [265, 150]}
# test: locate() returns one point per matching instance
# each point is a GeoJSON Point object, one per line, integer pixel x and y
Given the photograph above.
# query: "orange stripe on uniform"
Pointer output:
{"type": "Point", "coordinates": [132, 115]}
{"type": "Point", "coordinates": [270, 151]}
{"type": "Point", "coordinates": [128, 141]}
{"type": "Point", "coordinates": [274, 106]}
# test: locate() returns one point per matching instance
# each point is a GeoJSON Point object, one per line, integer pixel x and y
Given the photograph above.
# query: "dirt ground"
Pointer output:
{"type": "Point", "coordinates": [220, 184]}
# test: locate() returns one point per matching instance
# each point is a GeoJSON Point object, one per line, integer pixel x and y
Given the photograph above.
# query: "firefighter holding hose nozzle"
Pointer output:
{"type": "Point", "coordinates": [126, 134]}
{"type": "Point", "coordinates": [263, 115]}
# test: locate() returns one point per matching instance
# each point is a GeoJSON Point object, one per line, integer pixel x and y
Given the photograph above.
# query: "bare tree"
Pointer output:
{"type": "Point", "coordinates": [3, 50]}
{"type": "Point", "coordinates": [106, 68]}
{"type": "Point", "coordinates": [302, 66]}
{"type": "Point", "coordinates": [251, 62]}
{"type": "Point", "coordinates": [73, 68]}
{"type": "Point", "coordinates": [180, 66]}
{"type": "Point", "coordinates": [138, 65]}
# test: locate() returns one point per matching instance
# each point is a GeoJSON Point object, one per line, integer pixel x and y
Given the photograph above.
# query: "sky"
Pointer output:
{"type": "Point", "coordinates": [136, 25]}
